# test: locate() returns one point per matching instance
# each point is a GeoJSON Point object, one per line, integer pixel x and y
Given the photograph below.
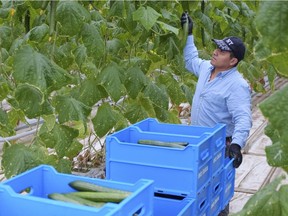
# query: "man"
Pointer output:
{"type": "Point", "coordinates": [221, 95]}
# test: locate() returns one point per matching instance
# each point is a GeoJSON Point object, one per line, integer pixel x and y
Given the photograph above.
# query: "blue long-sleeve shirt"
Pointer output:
{"type": "Point", "coordinates": [225, 99]}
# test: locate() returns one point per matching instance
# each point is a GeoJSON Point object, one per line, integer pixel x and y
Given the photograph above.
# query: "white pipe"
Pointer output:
{"type": "Point", "coordinates": [18, 136]}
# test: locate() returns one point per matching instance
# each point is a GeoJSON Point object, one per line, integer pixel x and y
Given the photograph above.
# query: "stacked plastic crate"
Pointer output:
{"type": "Point", "coordinates": [26, 194]}
{"type": "Point", "coordinates": [187, 181]}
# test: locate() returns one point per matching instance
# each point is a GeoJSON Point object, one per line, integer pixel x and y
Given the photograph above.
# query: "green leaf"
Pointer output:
{"type": "Point", "coordinates": [277, 155]}
{"type": "Point", "coordinates": [38, 33]}
{"type": "Point", "coordinates": [63, 55]}
{"type": "Point", "coordinates": [36, 69]}
{"type": "Point", "coordinates": [31, 100]}
{"type": "Point", "coordinates": [188, 92]}
{"type": "Point", "coordinates": [50, 121]}
{"type": "Point", "coordinates": [80, 54]}
{"type": "Point", "coordinates": [129, 23]}
{"type": "Point", "coordinates": [261, 50]}
{"type": "Point", "coordinates": [264, 203]}
{"type": "Point", "coordinates": [69, 109]}
{"type": "Point", "coordinates": [4, 55]}
{"type": "Point", "coordinates": [16, 115]}
{"type": "Point", "coordinates": [36, 4]}
{"type": "Point", "coordinates": [6, 128]}
{"type": "Point", "coordinates": [205, 21]}
{"type": "Point", "coordinates": [139, 109]}
{"type": "Point", "coordinates": [280, 63]}
{"type": "Point", "coordinates": [175, 92]}
{"type": "Point", "coordinates": [18, 158]}
{"type": "Point", "coordinates": [64, 166]}
{"type": "Point", "coordinates": [271, 21]}
{"type": "Point", "coordinates": [110, 79]}
{"type": "Point", "coordinates": [3, 118]}
{"type": "Point", "coordinates": [4, 12]}
{"type": "Point", "coordinates": [221, 19]}
{"type": "Point", "coordinates": [135, 80]}
{"type": "Point", "coordinates": [115, 45]}
{"type": "Point", "coordinates": [4, 88]}
{"type": "Point", "coordinates": [117, 9]}
{"type": "Point", "coordinates": [168, 28]}
{"type": "Point", "coordinates": [73, 150]}
{"type": "Point", "coordinates": [275, 108]}
{"type": "Point", "coordinates": [157, 96]}
{"type": "Point", "coordinates": [5, 37]}
{"type": "Point", "coordinates": [247, 11]}
{"type": "Point", "coordinates": [272, 133]}
{"type": "Point", "coordinates": [89, 92]}
{"type": "Point", "coordinates": [271, 74]}
{"type": "Point", "coordinates": [61, 138]}
{"type": "Point", "coordinates": [171, 49]}
{"type": "Point", "coordinates": [104, 120]}
{"type": "Point", "coordinates": [72, 16]}
{"type": "Point", "coordinates": [231, 5]}
{"type": "Point", "coordinates": [143, 64]}
{"type": "Point", "coordinates": [93, 41]}
{"type": "Point", "coordinates": [89, 69]}
{"type": "Point", "coordinates": [146, 16]}
{"type": "Point", "coordinates": [283, 196]}
{"type": "Point", "coordinates": [122, 122]}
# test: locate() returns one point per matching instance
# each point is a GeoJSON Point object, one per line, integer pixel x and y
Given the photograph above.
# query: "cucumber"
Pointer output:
{"type": "Point", "coordinates": [52, 24]}
{"type": "Point", "coordinates": [74, 199]}
{"type": "Point", "coordinates": [101, 196]}
{"type": "Point", "coordinates": [44, 4]}
{"type": "Point", "coordinates": [84, 201]}
{"type": "Point", "coordinates": [80, 185]}
{"type": "Point", "coordinates": [163, 144]}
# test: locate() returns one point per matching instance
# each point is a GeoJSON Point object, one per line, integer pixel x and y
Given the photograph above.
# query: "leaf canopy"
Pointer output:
{"type": "Point", "coordinates": [36, 69]}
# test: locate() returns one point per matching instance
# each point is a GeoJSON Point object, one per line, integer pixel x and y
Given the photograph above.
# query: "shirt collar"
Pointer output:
{"type": "Point", "coordinates": [224, 73]}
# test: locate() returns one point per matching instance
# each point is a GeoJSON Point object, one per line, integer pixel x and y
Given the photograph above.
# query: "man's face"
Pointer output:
{"type": "Point", "coordinates": [222, 60]}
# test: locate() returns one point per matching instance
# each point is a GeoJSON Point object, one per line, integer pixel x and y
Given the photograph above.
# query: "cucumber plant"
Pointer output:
{"type": "Point", "coordinates": [121, 58]}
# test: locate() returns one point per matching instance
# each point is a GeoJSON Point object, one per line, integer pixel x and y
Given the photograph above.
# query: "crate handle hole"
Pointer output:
{"type": "Point", "coordinates": [26, 191]}
{"type": "Point", "coordinates": [230, 174]}
{"type": "Point", "coordinates": [138, 212]}
{"type": "Point", "coordinates": [219, 142]}
{"type": "Point", "coordinates": [216, 188]}
{"type": "Point", "coordinates": [169, 196]}
{"type": "Point", "coordinates": [205, 155]}
{"type": "Point", "coordinates": [202, 204]}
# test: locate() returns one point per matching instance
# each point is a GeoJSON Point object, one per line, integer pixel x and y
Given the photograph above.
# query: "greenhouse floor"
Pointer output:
{"type": "Point", "coordinates": [254, 173]}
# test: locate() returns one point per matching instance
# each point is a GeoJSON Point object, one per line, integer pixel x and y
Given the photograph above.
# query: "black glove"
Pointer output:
{"type": "Point", "coordinates": [234, 151]}
{"type": "Point", "coordinates": [190, 22]}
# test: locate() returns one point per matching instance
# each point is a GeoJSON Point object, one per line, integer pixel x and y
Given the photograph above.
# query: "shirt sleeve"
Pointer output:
{"type": "Point", "coordinates": [192, 61]}
{"type": "Point", "coordinates": [239, 105]}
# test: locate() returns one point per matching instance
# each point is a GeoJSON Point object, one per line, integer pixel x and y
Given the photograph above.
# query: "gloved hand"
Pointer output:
{"type": "Point", "coordinates": [234, 151]}
{"type": "Point", "coordinates": [190, 22]}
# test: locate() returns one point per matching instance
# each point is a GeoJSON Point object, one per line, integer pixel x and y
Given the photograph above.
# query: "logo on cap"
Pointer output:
{"type": "Point", "coordinates": [229, 41]}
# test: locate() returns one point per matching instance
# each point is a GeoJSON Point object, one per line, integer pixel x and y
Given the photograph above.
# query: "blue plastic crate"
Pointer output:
{"type": "Point", "coordinates": [183, 171]}
{"type": "Point", "coordinates": [216, 195]}
{"type": "Point", "coordinates": [153, 125]}
{"type": "Point", "coordinates": [44, 180]}
{"type": "Point", "coordinates": [203, 201]}
{"type": "Point", "coordinates": [217, 142]}
{"type": "Point", "coordinates": [173, 207]}
{"type": "Point", "coordinates": [229, 182]}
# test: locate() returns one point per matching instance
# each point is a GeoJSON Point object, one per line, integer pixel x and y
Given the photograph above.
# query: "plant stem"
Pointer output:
{"type": "Point", "coordinates": [202, 29]}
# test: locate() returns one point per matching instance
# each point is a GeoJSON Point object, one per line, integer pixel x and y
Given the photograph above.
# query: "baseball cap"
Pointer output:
{"type": "Point", "coordinates": [232, 44]}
